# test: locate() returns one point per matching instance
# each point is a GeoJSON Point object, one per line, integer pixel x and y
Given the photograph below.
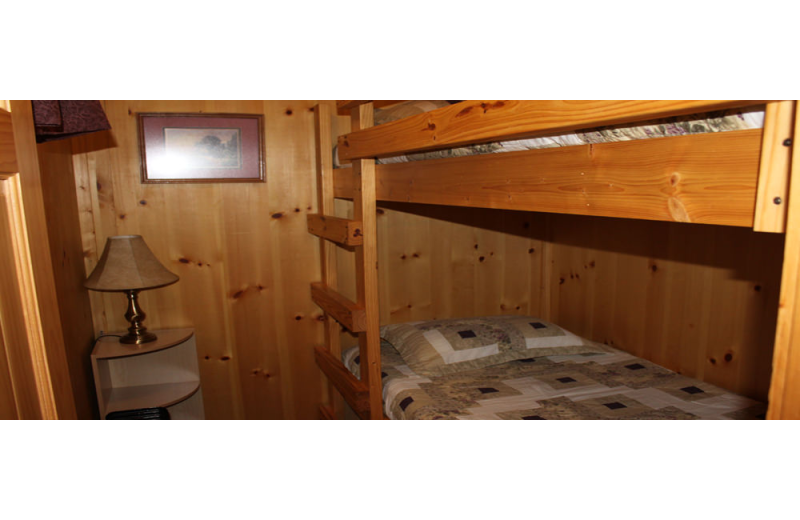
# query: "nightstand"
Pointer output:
{"type": "Point", "coordinates": [162, 373]}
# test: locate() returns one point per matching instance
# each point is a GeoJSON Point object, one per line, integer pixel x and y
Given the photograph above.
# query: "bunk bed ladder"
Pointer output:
{"type": "Point", "coordinates": [362, 316]}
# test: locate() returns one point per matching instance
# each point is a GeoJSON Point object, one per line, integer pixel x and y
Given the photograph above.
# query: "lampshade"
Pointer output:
{"type": "Point", "coordinates": [128, 264]}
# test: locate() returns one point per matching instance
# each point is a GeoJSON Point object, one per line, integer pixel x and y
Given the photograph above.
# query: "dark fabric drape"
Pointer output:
{"type": "Point", "coordinates": [62, 119]}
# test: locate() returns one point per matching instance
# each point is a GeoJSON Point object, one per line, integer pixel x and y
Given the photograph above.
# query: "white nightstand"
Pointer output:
{"type": "Point", "coordinates": [162, 373]}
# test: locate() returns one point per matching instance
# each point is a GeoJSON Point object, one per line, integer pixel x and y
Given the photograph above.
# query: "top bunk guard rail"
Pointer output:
{"type": "Point", "coordinates": [474, 122]}
{"type": "Point", "coordinates": [725, 178]}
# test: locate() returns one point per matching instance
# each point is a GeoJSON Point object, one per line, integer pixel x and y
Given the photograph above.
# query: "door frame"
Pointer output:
{"type": "Point", "coordinates": [36, 357]}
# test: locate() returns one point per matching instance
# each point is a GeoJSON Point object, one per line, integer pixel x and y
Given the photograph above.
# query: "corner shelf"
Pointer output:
{"type": "Point", "coordinates": [163, 373]}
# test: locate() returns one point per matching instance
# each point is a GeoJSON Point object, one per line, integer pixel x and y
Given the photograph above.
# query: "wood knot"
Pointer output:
{"type": "Point", "coordinates": [728, 357]}
{"type": "Point", "coordinates": [184, 260]}
{"type": "Point", "coordinates": [277, 215]}
{"type": "Point", "coordinates": [225, 358]}
{"type": "Point", "coordinates": [531, 250]}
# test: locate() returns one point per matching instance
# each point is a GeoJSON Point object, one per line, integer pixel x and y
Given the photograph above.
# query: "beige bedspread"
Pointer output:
{"type": "Point", "coordinates": [614, 385]}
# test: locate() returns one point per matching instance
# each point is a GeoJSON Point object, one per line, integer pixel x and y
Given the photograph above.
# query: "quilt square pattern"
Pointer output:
{"type": "Point", "coordinates": [441, 347]}
{"type": "Point", "coordinates": [606, 386]}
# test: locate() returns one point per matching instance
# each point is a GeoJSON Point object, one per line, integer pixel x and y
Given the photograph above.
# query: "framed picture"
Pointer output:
{"type": "Point", "coordinates": [201, 147]}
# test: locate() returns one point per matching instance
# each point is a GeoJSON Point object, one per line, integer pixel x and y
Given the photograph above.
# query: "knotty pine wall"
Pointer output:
{"type": "Point", "coordinates": [699, 299]}
{"type": "Point", "coordinates": [241, 250]}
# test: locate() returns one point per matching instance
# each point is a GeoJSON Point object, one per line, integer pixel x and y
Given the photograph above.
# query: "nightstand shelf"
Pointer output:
{"type": "Point", "coordinates": [163, 373]}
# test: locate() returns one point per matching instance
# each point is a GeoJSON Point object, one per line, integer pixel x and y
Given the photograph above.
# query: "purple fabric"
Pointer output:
{"type": "Point", "coordinates": [62, 119]}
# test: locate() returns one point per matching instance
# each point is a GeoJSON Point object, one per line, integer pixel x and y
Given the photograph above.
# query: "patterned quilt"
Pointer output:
{"type": "Point", "coordinates": [613, 385]}
{"type": "Point", "coordinates": [719, 121]}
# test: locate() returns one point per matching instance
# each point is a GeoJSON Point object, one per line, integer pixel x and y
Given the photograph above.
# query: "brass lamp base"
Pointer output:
{"type": "Point", "coordinates": [133, 339]}
{"type": "Point", "coordinates": [137, 332]}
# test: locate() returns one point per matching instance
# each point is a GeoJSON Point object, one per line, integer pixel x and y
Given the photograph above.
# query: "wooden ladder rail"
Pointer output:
{"type": "Point", "coordinates": [363, 395]}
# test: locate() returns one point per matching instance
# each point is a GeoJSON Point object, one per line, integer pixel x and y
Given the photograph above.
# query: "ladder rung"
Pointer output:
{"type": "Point", "coordinates": [348, 313]}
{"type": "Point", "coordinates": [335, 229]}
{"type": "Point", "coordinates": [352, 389]}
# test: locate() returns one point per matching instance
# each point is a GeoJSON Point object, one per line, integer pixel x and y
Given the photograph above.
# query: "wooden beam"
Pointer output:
{"type": "Point", "coordinates": [471, 122]}
{"type": "Point", "coordinates": [784, 392]}
{"type": "Point", "coordinates": [706, 178]}
{"type": "Point", "coordinates": [339, 230]}
{"type": "Point", "coordinates": [773, 176]}
{"type": "Point", "coordinates": [364, 209]}
{"type": "Point", "coordinates": [354, 391]}
{"type": "Point", "coordinates": [349, 314]}
{"type": "Point", "coordinates": [8, 155]}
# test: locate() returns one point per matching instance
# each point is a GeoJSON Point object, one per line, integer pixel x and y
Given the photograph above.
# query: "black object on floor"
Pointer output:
{"type": "Point", "coordinates": [147, 414]}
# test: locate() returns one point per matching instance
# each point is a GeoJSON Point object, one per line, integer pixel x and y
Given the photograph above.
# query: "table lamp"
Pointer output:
{"type": "Point", "coordinates": [127, 265]}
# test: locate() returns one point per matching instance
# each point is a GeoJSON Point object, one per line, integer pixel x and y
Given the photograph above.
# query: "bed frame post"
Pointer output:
{"type": "Point", "coordinates": [784, 391]}
{"type": "Point", "coordinates": [365, 211]}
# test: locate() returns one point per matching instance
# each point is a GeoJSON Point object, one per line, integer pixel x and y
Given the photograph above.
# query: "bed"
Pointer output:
{"type": "Point", "coordinates": [730, 167]}
{"type": "Point", "coordinates": [593, 385]}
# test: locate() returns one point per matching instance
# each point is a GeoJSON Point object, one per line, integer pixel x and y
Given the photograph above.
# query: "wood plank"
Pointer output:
{"type": "Point", "coordinates": [784, 392]}
{"type": "Point", "coordinates": [8, 155]}
{"type": "Point", "coordinates": [350, 314]}
{"type": "Point", "coordinates": [339, 230]}
{"type": "Point", "coordinates": [367, 286]}
{"type": "Point", "coordinates": [773, 176]}
{"type": "Point", "coordinates": [17, 352]}
{"type": "Point", "coordinates": [706, 178]}
{"type": "Point", "coordinates": [472, 122]}
{"type": "Point", "coordinates": [35, 270]}
{"type": "Point", "coordinates": [354, 391]}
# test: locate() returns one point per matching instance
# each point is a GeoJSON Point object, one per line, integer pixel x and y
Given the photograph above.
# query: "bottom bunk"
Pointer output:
{"type": "Point", "coordinates": [587, 381]}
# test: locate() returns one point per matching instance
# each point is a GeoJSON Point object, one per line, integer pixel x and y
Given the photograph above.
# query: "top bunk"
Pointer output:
{"type": "Point", "coordinates": [737, 177]}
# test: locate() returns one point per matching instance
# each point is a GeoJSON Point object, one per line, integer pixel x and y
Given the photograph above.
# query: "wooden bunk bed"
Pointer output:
{"type": "Point", "coordinates": [738, 178]}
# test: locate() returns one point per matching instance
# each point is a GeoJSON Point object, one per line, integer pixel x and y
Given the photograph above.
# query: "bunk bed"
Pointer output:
{"type": "Point", "coordinates": [734, 178]}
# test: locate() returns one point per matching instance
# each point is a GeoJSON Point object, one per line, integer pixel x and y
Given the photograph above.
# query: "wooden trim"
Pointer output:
{"type": "Point", "coordinates": [28, 324]}
{"type": "Point", "coordinates": [471, 122]}
{"type": "Point", "coordinates": [350, 314]}
{"type": "Point", "coordinates": [13, 318]}
{"type": "Point", "coordinates": [43, 319]}
{"type": "Point", "coordinates": [706, 178]}
{"type": "Point", "coordinates": [339, 230]}
{"type": "Point", "coordinates": [773, 177]}
{"type": "Point", "coordinates": [8, 155]}
{"type": "Point", "coordinates": [354, 391]}
{"type": "Point", "coordinates": [784, 392]}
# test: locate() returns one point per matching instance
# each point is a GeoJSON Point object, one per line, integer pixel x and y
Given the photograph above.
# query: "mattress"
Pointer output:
{"type": "Point", "coordinates": [718, 121]}
{"type": "Point", "coordinates": [613, 385]}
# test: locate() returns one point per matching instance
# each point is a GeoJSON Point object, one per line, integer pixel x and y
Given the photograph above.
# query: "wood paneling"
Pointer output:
{"type": "Point", "coordinates": [242, 251]}
{"type": "Point", "coordinates": [700, 300]}
{"type": "Point", "coordinates": [773, 177]}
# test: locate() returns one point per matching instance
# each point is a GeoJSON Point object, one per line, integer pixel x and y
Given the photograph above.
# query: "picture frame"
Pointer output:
{"type": "Point", "coordinates": [201, 148]}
